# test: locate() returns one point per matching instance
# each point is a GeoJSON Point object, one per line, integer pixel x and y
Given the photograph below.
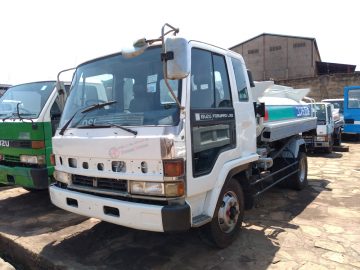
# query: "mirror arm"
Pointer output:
{"type": "Point", "coordinates": [169, 86]}
{"type": "Point", "coordinates": [58, 78]}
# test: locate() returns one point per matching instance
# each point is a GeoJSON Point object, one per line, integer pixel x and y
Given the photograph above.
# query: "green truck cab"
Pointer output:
{"type": "Point", "coordinates": [29, 116]}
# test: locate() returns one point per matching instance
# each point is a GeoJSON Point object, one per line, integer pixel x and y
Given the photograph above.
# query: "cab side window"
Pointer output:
{"type": "Point", "coordinates": [202, 88]}
{"type": "Point", "coordinates": [240, 80]}
{"type": "Point", "coordinates": [210, 86]}
{"type": "Point", "coordinates": [55, 114]}
{"type": "Point", "coordinates": [222, 86]}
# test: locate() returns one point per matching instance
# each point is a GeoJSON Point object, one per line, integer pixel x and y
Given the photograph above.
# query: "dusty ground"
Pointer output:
{"type": "Point", "coordinates": [317, 228]}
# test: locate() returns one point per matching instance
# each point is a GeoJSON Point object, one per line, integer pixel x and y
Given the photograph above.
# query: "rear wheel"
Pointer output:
{"type": "Point", "coordinates": [299, 180]}
{"type": "Point", "coordinates": [228, 216]}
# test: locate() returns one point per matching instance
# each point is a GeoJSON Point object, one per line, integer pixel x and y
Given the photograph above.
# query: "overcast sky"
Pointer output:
{"type": "Point", "coordinates": [41, 37]}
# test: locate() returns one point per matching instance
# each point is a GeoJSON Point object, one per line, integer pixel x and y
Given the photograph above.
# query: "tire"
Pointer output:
{"type": "Point", "coordinates": [228, 216]}
{"type": "Point", "coordinates": [299, 180]}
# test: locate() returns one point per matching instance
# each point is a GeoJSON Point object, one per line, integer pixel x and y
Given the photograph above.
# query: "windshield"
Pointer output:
{"type": "Point", "coordinates": [354, 99]}
{"type": "Point", "coordinates": [136, 85]}
{"type": "Point", "coordinates": [320, 113]}
{"type": "Point", "coordinates": [31, 98]}
{"type": "Point", "coordinates": [338, 104]}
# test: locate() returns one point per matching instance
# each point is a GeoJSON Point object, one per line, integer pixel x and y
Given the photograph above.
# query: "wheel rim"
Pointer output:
{"type": "Point", "coordinates": [228, 212]}
{"type": "Point", "coordinates": [302, 170]}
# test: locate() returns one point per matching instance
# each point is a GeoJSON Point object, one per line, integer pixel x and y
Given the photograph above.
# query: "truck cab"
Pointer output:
{"type": "Point", "coordinates": [352, 110]}
{"type": "Point", "coordinates": [338, 104]}
{"type": "Point", "coordinates": [173, 143]}
{"type": "Point", "coordinates": [328, 130]}
{"type": "Point", "coordinates": [29, 116]}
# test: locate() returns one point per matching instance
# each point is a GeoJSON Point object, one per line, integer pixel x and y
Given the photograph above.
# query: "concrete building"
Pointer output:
{"type": "Point", "coordinates": [279, 57]}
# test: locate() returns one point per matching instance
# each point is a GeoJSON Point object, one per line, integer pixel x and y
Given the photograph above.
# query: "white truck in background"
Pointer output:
{"type": "Point", "coordinates": [328, 130]}
{"type": "Point", "coordinates": [179, 141]}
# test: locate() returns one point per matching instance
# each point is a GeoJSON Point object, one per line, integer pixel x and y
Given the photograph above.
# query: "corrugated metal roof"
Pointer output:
{"type": "Point", "coordinates": [331, 68]}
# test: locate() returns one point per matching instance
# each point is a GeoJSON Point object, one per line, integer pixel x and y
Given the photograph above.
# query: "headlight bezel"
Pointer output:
{"type": "Point", "coordinates": [62, 177]}
{"type": "Point", "coordinates": [33, 159]}
{"type": "Point", "coordinates": [163, 189]}
{"type": "Point", "coordinates": [321, 138]}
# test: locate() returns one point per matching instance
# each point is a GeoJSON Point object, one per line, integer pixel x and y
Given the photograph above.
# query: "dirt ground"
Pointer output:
{"type": "Point", "coordinates": [316, 228]}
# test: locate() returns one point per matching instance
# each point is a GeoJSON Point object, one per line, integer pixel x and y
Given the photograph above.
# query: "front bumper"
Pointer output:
{"type": "Point", "coordinates": [37, 178]}
{"type": "Point", "coordinates": [139, 216]}
{"type": "Point", "coordinates": [321, 144]}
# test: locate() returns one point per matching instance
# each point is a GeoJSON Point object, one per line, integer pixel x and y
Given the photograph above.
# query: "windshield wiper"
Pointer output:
{"type": "Point", "coordinates": [86, 110]}
{"type": "Point", "coordinates": [107, 125]}
{"type": "Point", "coordinates": [26, 114]}
{"type": "Point", "coordinates": [16, 114]}
{"type": "Point", "coordinates": [8, 117]}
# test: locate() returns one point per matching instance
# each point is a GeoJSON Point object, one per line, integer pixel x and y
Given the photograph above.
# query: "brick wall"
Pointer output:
{"type": "Point", "coordinates": [325, 86]}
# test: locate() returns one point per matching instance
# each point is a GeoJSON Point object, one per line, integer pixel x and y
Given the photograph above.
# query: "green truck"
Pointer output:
{"type": "Point", "coordinates": [29, 116]}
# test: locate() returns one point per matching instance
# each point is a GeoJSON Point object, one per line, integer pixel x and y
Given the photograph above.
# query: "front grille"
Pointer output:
{"type": "Point", "coordinates": [11, 158]}
{"type": "Point", "coordinates": [100, 183]}
{"type": "Point", "coordinates": [83, 180]}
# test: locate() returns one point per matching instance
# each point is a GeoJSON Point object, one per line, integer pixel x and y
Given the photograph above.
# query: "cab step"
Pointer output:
{"type": "Point", "coordinates": [200, 220]}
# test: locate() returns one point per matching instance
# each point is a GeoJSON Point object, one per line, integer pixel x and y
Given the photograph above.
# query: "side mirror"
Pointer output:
{"type": "Point", "coordinates": [259, 109]}
{"type": "Point", "coordinates": [177, 58]}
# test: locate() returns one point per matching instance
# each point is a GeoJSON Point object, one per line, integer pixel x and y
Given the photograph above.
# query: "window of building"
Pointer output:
{"type": "Point", "coordinates": [299, 44]}
{"type": "Point", "coordinates": [253, 51]}
{"type": "Point", "coordinates": [275, 48]}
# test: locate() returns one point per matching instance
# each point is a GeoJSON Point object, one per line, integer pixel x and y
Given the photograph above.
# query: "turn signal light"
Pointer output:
{"type": "Point", "coordinates": [52, 160]}
{"type": "Point", "coordinates": [174, 167]}
{"type": "Point", "coordinates": [266, 118]}
{"type": "Point", "coordinates": [174, 189]}
{"type": "Point", "coordinates": [37, 144]}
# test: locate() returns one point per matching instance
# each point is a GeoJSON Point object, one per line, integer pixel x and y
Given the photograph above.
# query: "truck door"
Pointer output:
{"type": "Point", "coordinates": [211, 109]}
{"type": "Point", "coordinates": [213, 132]}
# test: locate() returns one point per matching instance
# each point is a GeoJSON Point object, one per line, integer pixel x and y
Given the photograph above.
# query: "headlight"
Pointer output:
{"type": "Point", "coordinates": [32, 159]}
{"type": "Point", "coordinates": [168, 189]}
{"type": "Point", "coordinates": [321, 139]}
{"type": "Point", "coordinates": [62, 177]}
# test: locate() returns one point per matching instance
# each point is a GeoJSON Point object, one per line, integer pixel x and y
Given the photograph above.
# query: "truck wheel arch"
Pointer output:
{"type": "Point", "coordinates": [295, 146]}
{"type": "Point", "coordinates": [239, 173]}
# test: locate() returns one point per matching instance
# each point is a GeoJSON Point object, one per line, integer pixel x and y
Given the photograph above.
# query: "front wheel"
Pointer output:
{"type": "Point", "coordinates": [299, 180]}
{"type": "Point", "coordinates": [228, 216]}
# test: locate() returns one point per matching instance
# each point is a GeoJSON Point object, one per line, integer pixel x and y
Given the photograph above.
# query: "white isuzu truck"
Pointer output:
{"type": "Point", "coordinates": [328, 130]}
{"type": "Point", "coordinates": [167, 135]}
